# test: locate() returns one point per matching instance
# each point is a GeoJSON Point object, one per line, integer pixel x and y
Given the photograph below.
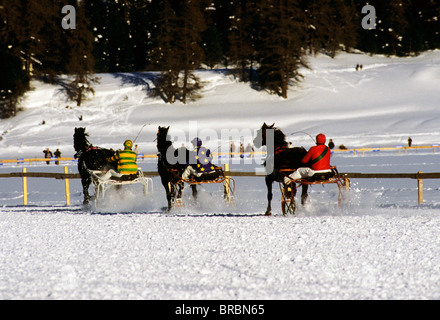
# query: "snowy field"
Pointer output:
{"type": "Point", "coordinates": [380, 245]}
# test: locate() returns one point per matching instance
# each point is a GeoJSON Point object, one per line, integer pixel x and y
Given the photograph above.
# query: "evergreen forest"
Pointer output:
{"type": "Point", "coordinates": [263, 42]}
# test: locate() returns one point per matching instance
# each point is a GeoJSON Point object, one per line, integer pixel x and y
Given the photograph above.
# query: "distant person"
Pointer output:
{"type": "Point", "coordinates": [136, 149]}
{"type": "Point", "coordinates": [331, 144]}
{"type": "Point", "coordinates": [232, 149]}
{"type": "Point", "coordinates": [249, 149]}
{"type": "Point", "coordinates": [342, 147]}
{"type": "Point", "coordinates": [57, 154]}
{"type": "Point", "coordinates": [409, 142]}
{"type": "Point", "coordinates": [47, 154]}
{"type": "Point", "coordinates": [241, 150]}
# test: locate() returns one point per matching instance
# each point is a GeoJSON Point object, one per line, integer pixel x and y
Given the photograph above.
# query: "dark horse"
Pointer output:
{"type": "Point", "coordinates": [89, 158]}
{"type": "Point", "coordinates": [171, 180]}
{"type": "Point", "coordinates": [281, 158]}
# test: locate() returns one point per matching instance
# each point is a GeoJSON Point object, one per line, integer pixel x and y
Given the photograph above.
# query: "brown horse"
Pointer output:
{"type": "Point", "coordinates": [170, 180]}
{"type": "Point", "coordinates": [89, 158]}
{"type": "Point", "coordinates": [279, 157]}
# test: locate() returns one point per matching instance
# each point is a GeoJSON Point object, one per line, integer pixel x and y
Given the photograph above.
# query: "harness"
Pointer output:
{"type": "Point", "coordinates": [280, 149]}
{"type": "Point", "coordinates": [320, 157]}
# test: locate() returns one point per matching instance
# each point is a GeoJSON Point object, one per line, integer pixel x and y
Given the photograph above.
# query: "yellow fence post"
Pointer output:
{"type": "Point", "coordinates": [420, 188]}
{"type": "Point", "coordinates": [66, 171]}
{"type": "Point", "coordinates": [25, 196]}
{"type": "Point", "coordinates": [228, 182]}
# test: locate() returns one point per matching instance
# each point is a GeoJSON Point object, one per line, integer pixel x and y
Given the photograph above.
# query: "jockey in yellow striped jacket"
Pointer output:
{"type": "Point", "coordinates": [126, 159]}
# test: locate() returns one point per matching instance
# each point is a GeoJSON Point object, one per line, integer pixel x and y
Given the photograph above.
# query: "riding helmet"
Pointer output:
{"type": "Point", "coordinates": [128, 144]}
{"type": "Point", "coordinates": [320, 138]}
{"type": "Point", "coordinates": [196, 142]}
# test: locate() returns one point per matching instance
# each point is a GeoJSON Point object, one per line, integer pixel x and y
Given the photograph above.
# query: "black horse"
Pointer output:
{"type": "Point", "coordinates": [171, 173]}
{"type": "Point", "coordinates": [89, 158]}
{"type": "Point", "coordinates": [281, 158]}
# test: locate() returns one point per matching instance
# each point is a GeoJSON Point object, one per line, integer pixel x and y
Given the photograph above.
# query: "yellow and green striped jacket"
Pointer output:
{"type": "Point", "coordinates": [126, 161]}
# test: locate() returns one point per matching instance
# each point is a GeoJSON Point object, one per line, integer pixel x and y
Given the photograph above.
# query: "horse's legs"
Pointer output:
{"type": "Point", "coordinates": [86, 179]}
{"type": "Point", "coordinates": [194, 191]}
{"type": "Point", "coordinates": [167, 185]}
{"type": "Point", "coordinates": [170, 192]}
{"type": "Point", "coordinates": [269, 182]}
{"type": "Point", "coordinates": [86, 184]}
{"type": "Point", "coordinates": [180, 185]}
{"type": "Point", "coordinates": [304, 195]}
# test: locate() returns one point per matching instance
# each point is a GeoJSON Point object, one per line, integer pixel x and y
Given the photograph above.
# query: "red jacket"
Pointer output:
{"type": "Point", "coordinates": [314, 153]}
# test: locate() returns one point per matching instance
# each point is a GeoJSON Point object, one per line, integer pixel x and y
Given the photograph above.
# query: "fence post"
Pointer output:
{"type": "Point", "coordinates": [420, 188]}
{"type": "Point", "coordinates": [66, 171]}
{"type": "Point", "coordinates": [25, 196]}
{"type": "Point", "coordinates": [228, 182]}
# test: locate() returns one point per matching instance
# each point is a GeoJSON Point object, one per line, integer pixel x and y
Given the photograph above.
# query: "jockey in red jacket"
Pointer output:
{"type": "Point", "coordinates": [317, 161]}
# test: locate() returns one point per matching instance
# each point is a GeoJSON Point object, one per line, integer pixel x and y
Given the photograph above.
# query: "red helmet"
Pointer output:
{"type": "Point", "coordinates": [320, 138]}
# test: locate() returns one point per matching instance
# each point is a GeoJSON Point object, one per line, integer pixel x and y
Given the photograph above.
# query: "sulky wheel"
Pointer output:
{"type": "Point", "coordinates": [288, 199]}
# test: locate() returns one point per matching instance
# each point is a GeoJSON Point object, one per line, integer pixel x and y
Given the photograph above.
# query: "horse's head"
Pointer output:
{"type": "Point", "coordinates": [80, 141]}
{"type": "Point", "coordinates": [163, 140]}
{"type": "Point", "coordinates": [260, 139]}
{"type": "Point", "coordinates": [279, 138]}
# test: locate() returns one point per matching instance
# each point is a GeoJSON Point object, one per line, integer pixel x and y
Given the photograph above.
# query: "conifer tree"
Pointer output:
{"type": "Point", "coordinates": [13, 83]}
{"type": "Point", "coordinates": [53, 44]}
{"type": "Point", "coordinates": [342, 27]}
{"type": "Point", "coordinates": [281, 53]}
{"type": "Point", "coordinates": [330, 25]}
{"type": "Point", "coordinates": [177, 50]}
{"type": "Point", "coordinates": [423, 32]}
{"type": "Point", "coordinates": [317, 17]}
{"type": "Point", "coordinates": [395, 26]}
{"type": "Point", "coordinates": [243, 37]}
{"type": "Point", "coordinates": [212, 46]}
{"type": "Point", "coordinates": [80, 62]}
{"type": "Point", "coordinates": [23, 22]}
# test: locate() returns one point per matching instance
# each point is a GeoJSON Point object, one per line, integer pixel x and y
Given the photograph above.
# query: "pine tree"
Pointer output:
{"type": "Point", "coordinates": [423, 32]}
{"type": "Point", "coordinates": [281, 54]}
{"type": "Point", "coordinates": [53, 44]}
{"type": "Point", "coordinates": [80, 62]}
{"type": "Point", "coordinates": [212, 46]}
{"type": "Point", "coordinates": [177, 50]}
{"type": "Point", "coordinates": [12, 86]}
{"type": "Point", "coordinates": [23, 22]}
{"type": "Point", "coordinates": [396, 26]}
{"type": "Point", "coordinates": [392, 26]}
{"type": "Point", "coordinates": [243, 37]}
{"type": "Point", "coordinates": [330, 25]}
{"type": "Point", "coordinates": [119, 37]}
{"type": "Point", "coordinates": [317, 19]}
{"type": "Point", "coordinates": [342, 27]}
{"type": "Point", "coordinates": [141, 28]}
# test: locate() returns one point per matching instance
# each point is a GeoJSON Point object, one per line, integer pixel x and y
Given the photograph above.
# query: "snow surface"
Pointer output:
{"type": "Point", "coordinates": [380, 245]}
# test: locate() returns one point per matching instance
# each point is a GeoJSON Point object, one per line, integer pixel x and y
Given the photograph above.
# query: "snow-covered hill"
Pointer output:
{"type": "Point", "coordinates": [389, 100]}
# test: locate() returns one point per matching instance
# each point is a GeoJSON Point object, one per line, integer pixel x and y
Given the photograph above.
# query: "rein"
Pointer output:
{"type": "Point", "coordinates": [280, 149]}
